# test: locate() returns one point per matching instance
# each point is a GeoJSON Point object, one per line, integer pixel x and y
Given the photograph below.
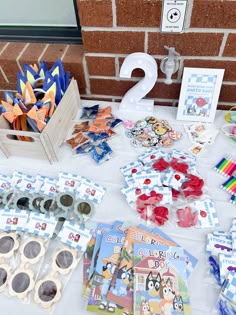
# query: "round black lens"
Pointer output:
{"type": "Point", "coordinates": [3, 276]}
{"type": "Point", "coordinates": [23, 203]}
{"type": "Point", "coordinates": [66, 200]}
{"type": "Point", "coordinates": [36, 203]}
{"type": "Point", "coordinates": [47, 291]}
{"type": "Point", "coordinates": [50, 205]}
{"type": "Point", "coordinates": [64, 259]}
{"type": "Point", "coordinates": [6, 244]}
{"type": "Point", "coordinates": [20, 282]}
{"type": "Point", "coordinates": [84, 208]}
{"type": "Point", "coordinates": [32, 249]}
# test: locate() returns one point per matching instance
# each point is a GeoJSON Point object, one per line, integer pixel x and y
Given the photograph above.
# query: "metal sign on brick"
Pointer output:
{"type": "Point", "coordinates": [173, 15]}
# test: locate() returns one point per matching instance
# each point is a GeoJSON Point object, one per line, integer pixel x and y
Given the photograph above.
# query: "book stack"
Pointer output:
{"type": "Point", "coordinates": [135, 270]}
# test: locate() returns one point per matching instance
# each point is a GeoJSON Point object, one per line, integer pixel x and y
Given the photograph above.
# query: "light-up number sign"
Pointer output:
{"type": "Point", "coordinates": [133, 99]}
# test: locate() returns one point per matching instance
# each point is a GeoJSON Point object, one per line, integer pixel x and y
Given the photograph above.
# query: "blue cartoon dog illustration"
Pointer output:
{"type": "Point", "coordinates": [152, 293]}
{"type": "Point", "coordinates": [178, 305]}
{"type": "Point", "coordinates": [124, 277]}
{"type": "Point", "coordinates": [107, 273]}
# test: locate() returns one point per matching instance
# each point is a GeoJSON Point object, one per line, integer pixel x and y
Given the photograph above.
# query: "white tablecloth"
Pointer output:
{"type": "Point", "coordinates": [203, 293]}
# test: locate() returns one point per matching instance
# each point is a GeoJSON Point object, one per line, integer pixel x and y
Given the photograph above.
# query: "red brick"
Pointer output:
{"type": "Point", "coordinates": [95, 13]}
{"type": "Point", "coordinates": [113, 42]}
{"type": "Point", "coordinates": [225, 107]}
{"type": "Point", "coordinates": [214, 14]}
{"type": "Point", "coordinates": [230, 47]}
{"type": "Point", "coordinates": [110, 87]}
{"type": "Point", "coordinates": [7, 86]}
{"type": "Point", "coordinates": [229, 66]}
{"type": "Point", "coordinates": [1, 95]}
{"type": "Point", "coordinates": [187, 44]}
{"type": "Point", "coordinates": [101, 65]}
{"type": "Point", "coordinates": [52, 53]}
{"type": "Point", "coordinates": [140, 73]}
{"type": "Point", "coordinates": [158, 103]}
{"type": "Point", "coordinates": [73, 62]}
{"type": "Point", "coordinates": [92, 98]}
{"type": "Point", "coordinates": [8, 60]}
{"type": "Point", "coordinates": [32, 53]}
{"type": "Point", "coordinates": [2, 79]}
{"type": "Point", "coordinates": [2, 44]}
{"type": "Point", "coordinates": [228, 93]}
{"type": "Point", "coordinates": [162, 90]}
{"type": "Point", "coordinates": [138, 13]}
{"type": "Point", "coordinates": [119, 88]}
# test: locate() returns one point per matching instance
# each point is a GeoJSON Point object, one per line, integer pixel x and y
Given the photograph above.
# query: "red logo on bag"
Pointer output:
{"type": "Point", "coordinates": [73, 237]}
{"type": "Point", "coordinates": [13, 221]}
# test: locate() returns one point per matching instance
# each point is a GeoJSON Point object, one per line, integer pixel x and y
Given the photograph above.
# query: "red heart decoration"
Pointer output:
{"type": "Point", "coordinates": [177, 176]}
{"type": "Point", "coordinates": [147, 181]}
{"type": "Point", "coordinates": [152, 157]}
{"type": "Point", "coordinates": [203, 214]}
{"type": "Point", "coordinates": [134, 170]}
{"type": "Point", "coordinates": [137, 191]}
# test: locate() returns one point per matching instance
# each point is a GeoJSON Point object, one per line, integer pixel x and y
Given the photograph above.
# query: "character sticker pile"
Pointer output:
{"type": "Point", "coordinates": [151, 132]}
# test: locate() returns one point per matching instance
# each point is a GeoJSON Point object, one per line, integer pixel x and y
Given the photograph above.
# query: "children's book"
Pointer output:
{"type": "Point", "coordinates": [160, 282]}
{"type": "Point", "coordinates": [121, 288]}
{"type": "Point", "coordinates": [190, 260]}
{"type": "Point", "coordinates": [91, 257]}
{"type": "Point", "coordinates": [107, 261]}
{"type": "Point", "coordinates": [87, 259]}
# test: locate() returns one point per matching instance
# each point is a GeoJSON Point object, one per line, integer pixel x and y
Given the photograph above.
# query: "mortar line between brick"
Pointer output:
{"type": "Point", "coordinates": [4, 75]}
{"type": "Point", "coordinates": [64, 53]}
{"type": "Point", "coordinates": [20, 54]}
{"type": "Point", "coordinates": [146, 42]}
{"type": "Point", "coordinates": [222, 47]}
{"type": "Point", "coordinates": [86, 76]}
{"type": "Point", "coordinates": [43, 52]}
{"type": "Point", "coordinates": [180, 71]}
{"type": "Point", "coordinates": [135, 79]}
{"type": "Point", "coordinates": [120, 97]}
{"type": "Point", "coordinates": [188, 14]}
{"type": "Point", "coordinates": [157, 29]}
{"type": "Point", "coordinates": [226, 103]}
{"type": "Point", "coordinates": [222, 58]}
{"type": "Point", "coordinates": [117, 66]}
{"type": "Point", "coordinates": [114, 21]}
{"type": "Point", "coordinates": [229, 82]}
{"type": "Point", "coordinates": [2, 50]}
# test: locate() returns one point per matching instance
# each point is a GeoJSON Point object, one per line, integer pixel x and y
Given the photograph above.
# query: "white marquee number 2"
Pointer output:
{"type": "Point", "coordinates": [133, 99]}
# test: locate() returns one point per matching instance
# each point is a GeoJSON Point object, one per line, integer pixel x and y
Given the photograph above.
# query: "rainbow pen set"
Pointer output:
{"type": "Point", "coordinates": [227, 167]}
{"type": "Point", "coordinates": [230, 185]}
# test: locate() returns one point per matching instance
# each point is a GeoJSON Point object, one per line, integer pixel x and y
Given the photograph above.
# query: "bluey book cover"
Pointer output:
{"type": "Point", "coordinates": [87, 259]}
{"type": "Point", "coordinates": [107, 261]}
{"type": "Point", "coordinates": [121, 288]}
{"type": "Point", "coordinates": [190, 260]}
{"type": "Point", "coordinates": [160, 281]}
{"type": "Point", "coordinates": [90, 259]}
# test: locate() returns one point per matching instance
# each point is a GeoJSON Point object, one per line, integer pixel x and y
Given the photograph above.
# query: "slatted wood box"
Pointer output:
{"type": "Point", "coordinates": [45, 145]}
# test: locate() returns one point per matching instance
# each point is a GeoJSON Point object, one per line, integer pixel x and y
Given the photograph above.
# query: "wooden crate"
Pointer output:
{"type": "Point", "coordinates": [45, 145]}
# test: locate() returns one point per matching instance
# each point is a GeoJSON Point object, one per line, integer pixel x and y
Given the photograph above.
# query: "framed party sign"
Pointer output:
{"type": "Point", "coordinates": [199, 94]}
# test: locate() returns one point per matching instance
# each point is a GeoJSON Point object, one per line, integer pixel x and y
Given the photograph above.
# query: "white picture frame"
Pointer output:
{"type": "Point", "coordinates": [199, 94]}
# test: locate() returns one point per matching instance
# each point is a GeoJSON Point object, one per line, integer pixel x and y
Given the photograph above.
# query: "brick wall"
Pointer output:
{"type": "Point", "coordinates": [112, 29]}
{"type": "Point", "coordinates": [13, 55]}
